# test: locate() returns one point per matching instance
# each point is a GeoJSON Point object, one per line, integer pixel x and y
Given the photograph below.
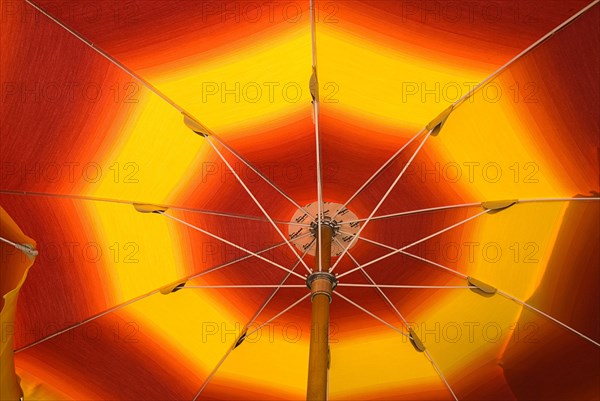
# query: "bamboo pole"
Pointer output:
{"type": "Point", "coordinates": [321, 286]}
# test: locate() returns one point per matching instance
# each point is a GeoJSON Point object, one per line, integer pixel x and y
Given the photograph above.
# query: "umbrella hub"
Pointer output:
{"type": "Point", "coordinates": [334, 225]}
{"type": "Point", "coordinates": [304, 224]}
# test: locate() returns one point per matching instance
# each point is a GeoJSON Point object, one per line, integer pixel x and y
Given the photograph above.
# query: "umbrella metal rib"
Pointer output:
{"type": "Point", "coordinates": [246, 335]}
{"type": "Point", "coordinates": [549, 317]}
{"type": "Point", "coordinates": [412, 255]}
{"type": "Point", "coordinates": [212, 269]}
{"type": "Point", "coordinates": [374, 285]}
{"type": "Point", "coordinates": [281, 284]}
{"type": "Point", "coordinates": [25, 248]}
{"type": "Point", "coordinates": [439, 372]}
{"type": "Point", "coordinates": [278, 315]}
{"type": "Point", "coordinates": [463, 205]}
{"type": "Point", "coordinates": [376, 173]}
{"type": "Point", "coordinates": [531, 200]}
{"type": "Point", "coordinates": [464, 276]}
{"type": "Point", "coordinates": [315, 104]}
{"type": "Point", "coordinates": [243, 286]}
{"type": "Point", "coordinates": [163, 97]}
{"type": "Point", "coordinates": [260, 206]}
{"type": "Point", "coordinates": [385, 297]}
{"type": "Point", "coordinates": [252, 320]}
{"type": "Point", "coordinates": [109, 58]}
{"type": "Point", "coordinates": [261, 175]}
{"type": "Point", "coordinates": [378, 286]}
{"type": "Point", "coordinates": [10, 242]}
{"type": "Point", "coordinates": [402, 252]}
{"type": "Point", "coordinates": [462, 99]}
{"type": "Point", "coordinates": [92, 318]}
{"type": "Point", "coordinates": [416, 152]}
{"type": "Point", "coordinates": [233, 244]}
{"type": "Point", "coordinates": [129, 202]}
{"type": "Point", "coordinates": [244, 217]}
{"type": "Point", "coordinates": [512, 298]}
{"type": "Point", "coordinates": [143, 296]}
{"type": "Point", "coordinates": [313, 33]}
{"type": "Point", "coordinates": [391, 326]}
{"type": "Point", "coordinates": [437, 369]}
{"type": "Point", "coordinates": [410, 212]}
{"type": "Point", "coordinates": [399, 250]}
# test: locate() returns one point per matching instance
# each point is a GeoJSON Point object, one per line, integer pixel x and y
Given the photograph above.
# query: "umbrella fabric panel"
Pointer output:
{"type": "Point", "coordinates": [202, 56]}
{"type": "Point", "coordinates": [572, 278]}
{"type": "Point", "coordinates": [421, 58]}
{"type": "Point", "coordinates": [104, 134]}
{"type": "Point", "coordinates": [526, 134]}
{"type": "Point", "coordinates": [426, 43]}
{"type": "Point", "coordinates": [271, 362]}
{"type": "Point", "coordinates": [544, 246]}
{"type": "Point", "coordinates": [81, 112]}
{"type": "Point", "coordinates": [164, 346]}
{"type": "Point", "coordinates": [456, 350]}
{"type": "Point", "coordinates": [127, 348]}
{"type": "Point", "coordinates": [120, 255]}
{"type": "Point", "coordinates": [185, 170]}
{"type": "Point", "coordinates": [421, 309]}
{"type": "Point", "coordinates": [63, 287]}
{"type": "Point", "coordinates": [215, 21]}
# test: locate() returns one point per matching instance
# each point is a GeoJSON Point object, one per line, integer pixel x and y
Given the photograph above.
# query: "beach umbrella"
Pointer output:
{"type": "Point", "coordinates": [289, 200]}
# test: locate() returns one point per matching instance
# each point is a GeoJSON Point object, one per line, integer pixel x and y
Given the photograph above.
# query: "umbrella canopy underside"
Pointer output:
{"type": "Point", "coordinates": [91, 122]}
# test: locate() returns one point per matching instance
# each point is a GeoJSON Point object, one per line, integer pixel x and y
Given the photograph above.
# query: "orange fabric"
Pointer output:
{"type": "Point", "coordinates": [15, 266]}
{"type": "Point", "coordinates": [73, 124]}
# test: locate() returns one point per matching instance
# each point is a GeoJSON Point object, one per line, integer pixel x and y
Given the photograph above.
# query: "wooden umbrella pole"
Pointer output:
{"type": "Point", "coordinates": [321, 284]}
